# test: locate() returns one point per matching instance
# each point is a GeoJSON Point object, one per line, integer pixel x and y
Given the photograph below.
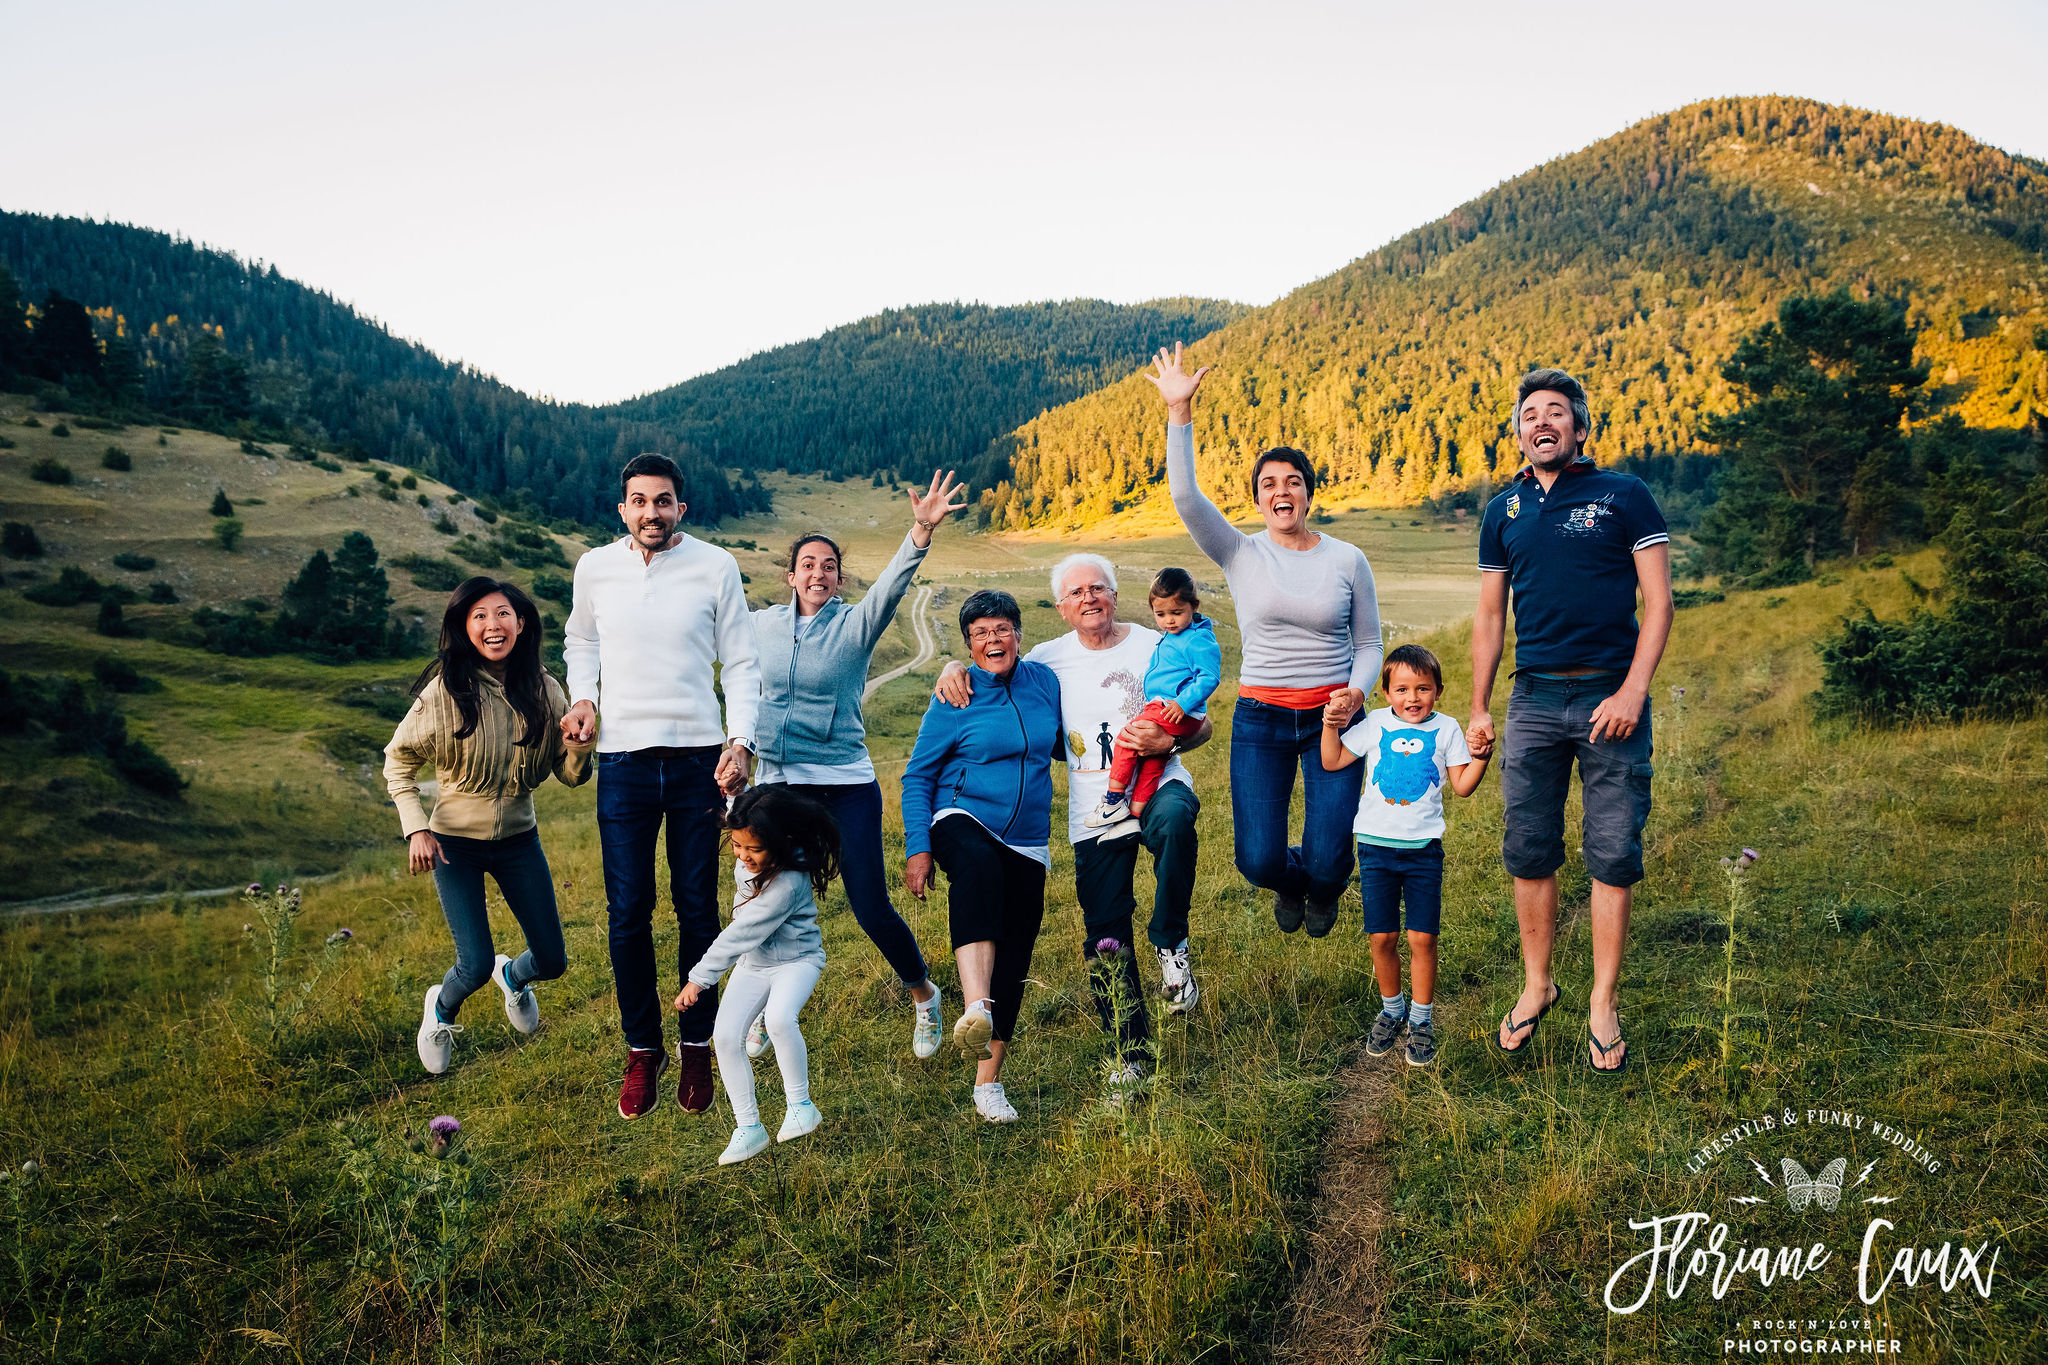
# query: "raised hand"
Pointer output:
{"type": "Point", "coordinates": [1175, 384]}
{"type": "Point", "coordinates": [935, 505]}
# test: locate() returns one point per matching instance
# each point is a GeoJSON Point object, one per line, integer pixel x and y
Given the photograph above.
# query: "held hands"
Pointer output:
{"type": "Point", "coordinates": [1343, 704]}
{"type": "Point", "coordinates": [735, 766]}
{"type": "Point", "coordinates": [579, 724]}
{"type": "Point", "coordinates": [1175, 385]}
{"type": "Point", "coordinates": [1617, 717]}
{"type": "Point", "coordinates": [424, 851]}
{"type": "Point", "coordinates": [1479, 746]}
{"type": "Point", "coordinates": [687, 996]}
{"type": "Point", "coordinates": [935, 505]}
{"type": "Point", "coordinates": [1478, 732]}
{"type": "Point", "coordinates": [953, 687]}
{"type": "Point", "coordinates": [917, 874]}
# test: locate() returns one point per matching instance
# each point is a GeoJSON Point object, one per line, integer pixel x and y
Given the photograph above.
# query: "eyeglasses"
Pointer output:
{"type": "Point", "coordinates": [988, 633]}
{"type": "Point", "coordinates": [1089, 590]}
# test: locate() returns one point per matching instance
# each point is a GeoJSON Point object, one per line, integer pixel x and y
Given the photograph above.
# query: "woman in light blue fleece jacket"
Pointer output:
{"type": "Point", "coordinates": [814, 652]}
{"type": "Point", "coordinates": [789, 847]}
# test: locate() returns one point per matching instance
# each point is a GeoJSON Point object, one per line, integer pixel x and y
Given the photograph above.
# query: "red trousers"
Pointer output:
{"type": "Point", "coordinates": [1125, 761]}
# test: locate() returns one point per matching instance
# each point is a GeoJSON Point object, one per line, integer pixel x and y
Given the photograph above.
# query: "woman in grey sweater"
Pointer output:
{"type": "Point", "coordinates": [1309, 620]}
{"type": "Point", "coordinates": [814, 652]}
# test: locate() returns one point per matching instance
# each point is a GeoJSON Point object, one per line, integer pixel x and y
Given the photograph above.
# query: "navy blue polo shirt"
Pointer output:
{"type": "Point", "coordinates": [1569, 555]}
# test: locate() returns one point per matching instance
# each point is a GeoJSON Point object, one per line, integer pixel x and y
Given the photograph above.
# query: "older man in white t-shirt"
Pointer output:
{"type": "Point", "coordinates": [1101, 666]}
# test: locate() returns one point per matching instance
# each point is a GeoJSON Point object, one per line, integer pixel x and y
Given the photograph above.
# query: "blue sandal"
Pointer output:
{"type": "Point", "coordinates": [1556, 994]}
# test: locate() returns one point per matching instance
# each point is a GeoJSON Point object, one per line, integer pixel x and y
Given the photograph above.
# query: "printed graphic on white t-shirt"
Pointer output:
{"type": "Point", "coordinates": [1101, 690]}
{"type": "Point", "coordinates": [1403, 795]}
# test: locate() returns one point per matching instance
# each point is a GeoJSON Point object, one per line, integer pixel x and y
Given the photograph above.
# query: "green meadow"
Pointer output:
{"type": "Point", "coordinates": [224, 1163]}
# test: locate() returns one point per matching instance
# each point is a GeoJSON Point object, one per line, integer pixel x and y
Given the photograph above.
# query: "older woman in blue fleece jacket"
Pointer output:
{"type": "Point", "coordinates": [814, 652]}
{"type": "Point", "coordinates": [977, 798]}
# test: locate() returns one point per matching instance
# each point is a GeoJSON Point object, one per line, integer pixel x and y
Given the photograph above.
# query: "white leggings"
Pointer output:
{"type": "Point", "coordinates": [777, 992]}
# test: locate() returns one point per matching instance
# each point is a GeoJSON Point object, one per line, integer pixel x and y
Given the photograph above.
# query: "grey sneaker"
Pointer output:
{"type": "Point", "coordinates": [1286, 911]}
{"type": "Point", "coordinates": [1422, 1043]}
{"type": "Point", "coordinates": [1386, 1031]}
{"type": "Point", "coordinates": [1319, 918]}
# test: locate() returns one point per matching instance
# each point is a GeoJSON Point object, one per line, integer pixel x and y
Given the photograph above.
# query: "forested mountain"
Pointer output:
{"type": "Point", "coordinates": [286, 357]}
{"type": "Point", "coordinates": [1636, 263]}
{"type": "Point", "coordinates": [913, 389]}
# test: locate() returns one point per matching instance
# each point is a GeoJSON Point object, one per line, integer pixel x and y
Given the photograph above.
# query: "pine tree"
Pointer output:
{"type": "Point", "coordinates": [221, 506]}
{"type": "Point", "coordinates": [65, 347]}
{"type": "Point", "coordinates": [17, 352]}
{"type": "Point", "coordinates": [308, 600]}
{"type": "Point", "coordinates": [215, 388]}
{"type": "Point", "coordinates": [362, 599]}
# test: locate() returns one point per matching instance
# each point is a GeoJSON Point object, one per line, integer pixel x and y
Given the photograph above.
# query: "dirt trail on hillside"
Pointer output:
{"type": "Point", "coordinates": [1338, 1310]}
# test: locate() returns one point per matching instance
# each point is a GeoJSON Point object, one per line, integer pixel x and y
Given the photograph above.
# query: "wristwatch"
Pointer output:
{"type": "Point", "coordinates": [743, 743]}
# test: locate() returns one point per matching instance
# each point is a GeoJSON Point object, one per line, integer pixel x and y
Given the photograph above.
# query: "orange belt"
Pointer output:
{"type": "Point", "coordinates": [1293, 698]}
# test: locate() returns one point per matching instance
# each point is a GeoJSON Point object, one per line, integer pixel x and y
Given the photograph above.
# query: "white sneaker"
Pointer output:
{"type": "Point", "coordinates": [1107, 813]}
{"type": "Point", "coordinates": [799, 1119]}
{"type": "Point", "coordinates": [1177, 979]}
{"type": "Point", "coordinates": [992, 1104]}
{"type": "Point", "coordinates": [520, 1006]}
{"type": "Point", "coordinates": [751, 1140]}
{"type": "Point", "coordinates": [436, 1040]}
{"type": "Point", "coordinates": [1123, 829]}
{"type": "Point", "coordinates": [757, 1036]}
{"type": "Point", "coordinates": [973, 1029]}
{"type": "Point", "coordinates": [924, 1034]}
{"type": "Point", "coordinates": [1126, 1083]}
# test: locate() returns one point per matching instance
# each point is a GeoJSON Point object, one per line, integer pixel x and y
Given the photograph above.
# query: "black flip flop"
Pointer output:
{"type": "Point", "coordinates": [1556, 994]}
{"type": "Point", "coordinates": [1607, 1072]}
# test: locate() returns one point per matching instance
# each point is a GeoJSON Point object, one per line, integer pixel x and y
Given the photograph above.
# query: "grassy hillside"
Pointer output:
{"type": "Point", "coordinates": [209, 1190]}
{"type": "Point", "coordinates": [1636, 263]}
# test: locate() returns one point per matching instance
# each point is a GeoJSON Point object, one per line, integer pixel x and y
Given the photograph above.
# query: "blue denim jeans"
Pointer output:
{"type": "Point", "coordinates": [636, 791]}
{"type": "Point", "coordinates": [1267, 744]}
{"type": "Point", "coordinates": [521, 870]}
{"type": "Point", "coordinates": [858, 809]}
{"type": "Point", "coordinates": [1549, 721]}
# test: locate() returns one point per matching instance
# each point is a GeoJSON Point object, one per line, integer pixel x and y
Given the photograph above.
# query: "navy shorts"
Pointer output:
{"type": "Point", "coordinates": [1388, 876]}
{"type": "Point", "coordinates": [1549, 720]}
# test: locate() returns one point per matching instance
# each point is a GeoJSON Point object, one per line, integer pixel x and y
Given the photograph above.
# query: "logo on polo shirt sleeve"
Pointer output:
{"type": "Point", "coordinates": [1514, 505]}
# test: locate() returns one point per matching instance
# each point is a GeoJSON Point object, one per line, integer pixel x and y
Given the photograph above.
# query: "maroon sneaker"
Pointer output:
{"type": "Point", "coordinates": [642, 1089]}
{"type": "Point", "coordinates": [693, 1078]}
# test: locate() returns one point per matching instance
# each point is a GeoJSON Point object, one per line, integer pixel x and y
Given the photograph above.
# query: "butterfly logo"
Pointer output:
{"type": "Point", "coordinates": [1824, 1189]}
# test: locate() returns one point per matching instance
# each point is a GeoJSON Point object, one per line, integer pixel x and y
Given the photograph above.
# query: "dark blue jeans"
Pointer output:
{"type": "Point", "coordinates": [858, 809]}
{"type": "Point", "coordinates": [636, 791]}
{"type": "Point", "coordinates": [521, 870]}
{"type": "Point", "coordinates": [1267, 744]}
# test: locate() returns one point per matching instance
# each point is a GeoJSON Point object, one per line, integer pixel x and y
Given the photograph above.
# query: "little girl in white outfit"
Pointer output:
{"type": "Point", "coordinates": [788, 847]}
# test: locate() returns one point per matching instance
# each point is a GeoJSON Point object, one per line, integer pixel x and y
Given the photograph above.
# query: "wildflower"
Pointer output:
{"type": "Point", "coordinates": [248, 928]}
{"type": "Point", "coordinates": [1107, 947]}
{"type": "Point", "coordinates": [255, 889]}
{"type": "Point", "coordinates": [1678, 694]}
{"type": "Point", "coordinates": [1749, 855]}
{"type": "Point", "coordinates": [30, 1170]}
{"type": "Point", "coordinates": [441, 1134]}
{"type": "Point", "coordinates": [340, 936]}
{"type": "Point", "coordinates": [1727, 862]}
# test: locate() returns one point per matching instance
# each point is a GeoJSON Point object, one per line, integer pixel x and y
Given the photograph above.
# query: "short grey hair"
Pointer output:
{"type": "Point", "coordinates": [1072, 562]}
{"type": "Point", "coordinates": [1557, 381]}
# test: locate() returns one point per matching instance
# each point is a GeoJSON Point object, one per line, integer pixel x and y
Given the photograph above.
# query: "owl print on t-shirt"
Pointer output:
{"type": "Point", "coordinates": [1407, 766]}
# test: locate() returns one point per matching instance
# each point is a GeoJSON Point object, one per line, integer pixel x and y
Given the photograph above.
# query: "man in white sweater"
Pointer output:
{"type": "Point", "coordinates": [653, 611]}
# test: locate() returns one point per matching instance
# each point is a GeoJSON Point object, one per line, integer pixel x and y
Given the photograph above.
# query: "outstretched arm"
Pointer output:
{"type": "Point", "coordinates": [1211, 530]}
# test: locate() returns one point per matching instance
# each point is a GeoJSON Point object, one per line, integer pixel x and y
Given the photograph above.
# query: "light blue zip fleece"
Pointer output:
{"type": "Point", "coordinates": [1186, 668]}
{"type": "Point", "coordinates": [991, 758]}
{"type": "Point", "coordinates": [810, 687]}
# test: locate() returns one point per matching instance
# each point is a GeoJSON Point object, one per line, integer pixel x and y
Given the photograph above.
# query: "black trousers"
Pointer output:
{"type": "Point", "coordinates": [1102, 881]}
{"type": "Point", "coordinates": [995, 895]}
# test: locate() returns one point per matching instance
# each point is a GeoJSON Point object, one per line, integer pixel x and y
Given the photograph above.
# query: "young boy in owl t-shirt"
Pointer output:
{"type": "Point", "coordinates": [1412, 752]}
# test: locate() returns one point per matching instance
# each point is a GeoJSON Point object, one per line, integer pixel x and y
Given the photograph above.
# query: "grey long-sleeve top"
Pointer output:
{"type": "Point", "coordinates": [774, 925]}
{"type": "Point", "coordinates": [1308, 618]}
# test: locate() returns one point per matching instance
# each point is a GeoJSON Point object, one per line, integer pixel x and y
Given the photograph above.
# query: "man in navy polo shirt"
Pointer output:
{"type": "Point", "coordinates": [1575, 543]}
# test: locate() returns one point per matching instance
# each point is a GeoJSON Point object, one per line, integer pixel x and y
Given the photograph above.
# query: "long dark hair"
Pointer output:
{"type": "Point", "coordinates": [458, 662]}
{"type": "Point", "coordinates": [799, 834]}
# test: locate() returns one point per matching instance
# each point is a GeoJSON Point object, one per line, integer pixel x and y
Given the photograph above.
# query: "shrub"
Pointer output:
{"type": "Point", "coordinates": [113, 457]}
{"type": "Point", "coordinates": [73, 585]}
{"type": "Point", "coordinates": [454, 498]}
{"type": "Point", "coordinates": [444, 525]}
{"type": "Point", "coordinates": [331, 466]}
{"type": "Point", "coordinates": [162, 440]}
{"type": "Point", "coordinates": [162, 593]}
{"type": "Point", "coordinates": [60, 430]}
{"type": "Point", "coordinates": [6, 443]}
{"type": "Point", "coordinates": [228, 531]}
{"type": "Point", "coordinates": [485, 514]}
{"type": "Point", "coordinates": [47, 470]}
{"type": "Point", "coordinates": [302, 452]}
{"type": "Point", "coordinates": [381, 475]}
{"type": "Point", "coordinates": [20, 541]}
{"type": "Point", "coordinates": [118, 675]}
{"type": "Point", "coordinates": [221, 506]}
{"type": "Point", "coordinates": [110, 622]}
{"type": "Point", "coordinates": [424, 500]}
{"type": "Point", "coordinates": [30, 421]}
{"type": "Point", "coordinates": [408, 482]}
{"type": "Point", "coordinates": [431, 573]}
{"type": "Point", "coordinates": [251, 448]}
{"type": "Point", "coordinates": [1695, 597]}
{"type": "Point", "coordinates": [387, 492]}
{"type": "Point", "coordinates": [242, 634]}
{"type": "Point", "coordinates": [148, 769]}
{"type": "Point", "coordinates": [476, 552]}
{"type": "Point", "coordinates": [134, 563]}
{"type": "Point", "coordinates": [84, 721]}
{"type": "Point", "coordinates": [553, 588]}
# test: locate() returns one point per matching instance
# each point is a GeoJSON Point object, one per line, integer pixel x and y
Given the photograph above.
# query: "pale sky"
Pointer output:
{"type": "Point", "coordinates": [595, 200]}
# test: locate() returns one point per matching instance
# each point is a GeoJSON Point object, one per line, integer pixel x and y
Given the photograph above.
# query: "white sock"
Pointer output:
{"type": "Point", "coordinates": [693, 1045]}
{"type": "Point", "coordinates": [1394, 1006]}
{"type": "Point", "coordinates": [1418, 1013]}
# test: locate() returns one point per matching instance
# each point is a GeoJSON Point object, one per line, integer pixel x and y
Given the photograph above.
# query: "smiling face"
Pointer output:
{"type": "Point", "coordinates": [651, 510]}
{"type": "Point", "coordinates": [993, 643]}
{"type": "Point", "coordinates": [494, 627]}
{"type": "Point", "coordinates": [1087, 602]}
{"type": "Point", "coordinates": [1549, 435]}
{"type": "Point", "coordinates": [1411, 693]}
{"type": "Point", "coordinates": [1282, 497]}
{"type": "Point", "coordinates": [748, 848]}
{"type": "Point", "coordinates": [815, 579]}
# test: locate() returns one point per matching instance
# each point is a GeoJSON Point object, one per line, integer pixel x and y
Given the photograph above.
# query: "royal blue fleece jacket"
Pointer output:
{"type": "Point", "coordinates": [1186, 668]}
{"type": "Point", "coordinates": [991, 758]}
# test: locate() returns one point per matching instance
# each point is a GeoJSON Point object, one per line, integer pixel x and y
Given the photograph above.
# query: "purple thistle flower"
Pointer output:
{"type": "Point", "coordinates": [341, 936]}
{"type": "Point", "coordinates": [1751, 854]}
{"type": "Point", "coordinates": [446, 1126]}
{"type": "Point", "coordinates": [1107, 947]}
{"type": "Point", "coordinates": [255, 889]}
